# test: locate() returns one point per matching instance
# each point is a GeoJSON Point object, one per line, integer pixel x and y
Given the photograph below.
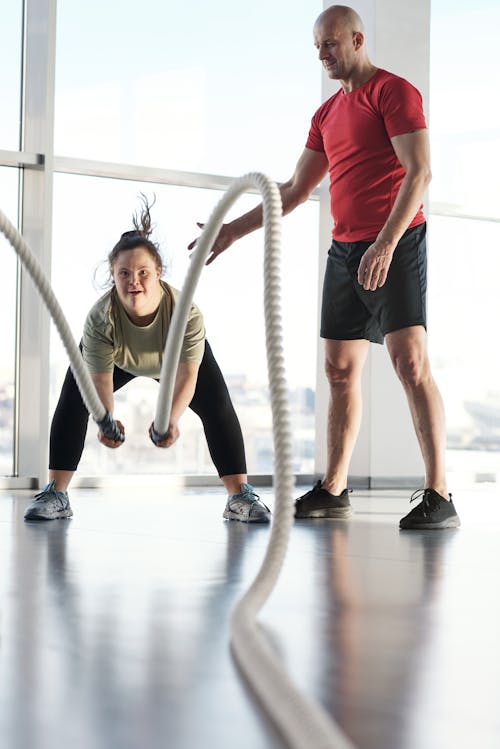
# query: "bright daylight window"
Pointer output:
{"type": "Point", "coordinates": [464, 304]}
{"type": "Point", "coordinates": [8, 191]}
{"type": "Point", "coordinates": [230, 93]}
{"type": "Point", "coordinates": [10, 96]}
{"type": "Point", "coordinates": [10, 80]}
{"type": "Point", "coordinates": [213, 98]}
{"type": "Point", "coordinates": [230, 296]}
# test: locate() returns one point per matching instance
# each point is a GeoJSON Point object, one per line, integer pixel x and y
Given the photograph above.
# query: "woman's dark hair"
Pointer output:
{"type": "Point", "coordinates": [138, 237]}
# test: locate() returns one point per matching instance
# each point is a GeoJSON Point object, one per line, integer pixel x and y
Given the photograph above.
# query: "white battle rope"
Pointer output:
{"type": "Point", "coordinates": [304, 725]}
{"type": "Point", "coordinates": [80, 371]}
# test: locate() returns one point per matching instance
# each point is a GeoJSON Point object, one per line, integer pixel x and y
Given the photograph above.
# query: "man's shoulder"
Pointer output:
{"type": "Point", "coordinates": [386, 80]}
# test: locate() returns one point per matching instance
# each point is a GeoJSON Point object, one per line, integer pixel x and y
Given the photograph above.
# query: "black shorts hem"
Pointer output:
{"type": "Point", "coordinates": [402, 326]}
{"type": "Point", "coordinates": [350, 338]}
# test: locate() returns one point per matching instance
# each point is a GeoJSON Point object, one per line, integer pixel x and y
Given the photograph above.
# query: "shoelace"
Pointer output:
{"type": "Point", "coordinates": [316, 486]}
{"type": "Point", "coordinates": [251, 497]}
{"type": "Point", "coordinates": [428, 502]}
{"type": "Point", "coordinates": [49, 491]}
{"type": "Point", "coordinates": [319, 485]}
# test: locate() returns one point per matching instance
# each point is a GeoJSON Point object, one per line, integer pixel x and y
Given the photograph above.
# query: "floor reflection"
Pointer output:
{"type": "Point", "coordinates": [114, 626]}
{"type": "Point", "coordinates": [127, 635]}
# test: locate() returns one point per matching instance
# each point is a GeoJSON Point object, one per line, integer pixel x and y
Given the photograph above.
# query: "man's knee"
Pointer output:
{"type": "Point", "coordinates": [344, 361]}
{"type": "Point", "coordinates": [341, 375]}
{"type": "Point", "coordinates": [412, 367]}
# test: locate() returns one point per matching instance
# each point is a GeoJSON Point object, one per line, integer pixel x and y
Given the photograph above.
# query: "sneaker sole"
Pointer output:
{"type": "Point", "coordinates": [449, 523]}
{"type": "Point", "coordinates": [56, 516]}
{"type": "Point", "coordinates": [326, 512]}
{"type": "Point", "coordinates": [233, 516]}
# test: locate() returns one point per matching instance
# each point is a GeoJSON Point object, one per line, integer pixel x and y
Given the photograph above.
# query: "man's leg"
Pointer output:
{"type": "Point", "coordinates": [344, 364]}
{"type": "Point", "coordinates": [408, 351]}
{"type": "Point", "coordinates": [344, 361]}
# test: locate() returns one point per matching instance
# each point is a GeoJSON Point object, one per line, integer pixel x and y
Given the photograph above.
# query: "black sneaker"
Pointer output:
{"type": "Point", "coordinates": [319, 503]}
{"type": "Point", "coordinates": [434, 511]}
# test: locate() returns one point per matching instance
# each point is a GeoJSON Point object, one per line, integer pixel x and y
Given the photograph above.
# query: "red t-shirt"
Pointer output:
{"type": "Point", "coordinates": [354, 132]}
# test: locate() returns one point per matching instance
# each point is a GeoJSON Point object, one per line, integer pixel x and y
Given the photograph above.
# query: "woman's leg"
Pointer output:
{"type": "Point", "coordinates": [212, 403]}
{"type": "Point", "coordinates": [69, 428]}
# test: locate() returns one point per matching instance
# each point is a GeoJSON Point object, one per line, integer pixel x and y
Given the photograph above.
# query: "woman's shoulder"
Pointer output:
{"type": "Point", "coordinates": [100, 313]}
{"type": "Point", "coordinates": [169, 290]}
{"type": "Point", "coordinates": [172, 295]}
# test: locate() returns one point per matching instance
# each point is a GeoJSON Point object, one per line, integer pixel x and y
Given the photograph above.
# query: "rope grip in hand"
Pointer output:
{"type": "Point", "coordinates": [156, 437]}
{"type": "Point", "coordinates": [110, 429]}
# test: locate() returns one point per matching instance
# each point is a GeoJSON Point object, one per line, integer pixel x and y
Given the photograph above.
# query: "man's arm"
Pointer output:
{"type": "Point", "coordinates": [310, 170]}
{"type": "Point", "coordinates": [412, 150]}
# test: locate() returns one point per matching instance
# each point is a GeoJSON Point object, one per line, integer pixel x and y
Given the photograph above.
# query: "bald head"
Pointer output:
{"type": "Point", "coordinates": [341, 16]}
{"type": "Point", "coordinates": [339, 38]}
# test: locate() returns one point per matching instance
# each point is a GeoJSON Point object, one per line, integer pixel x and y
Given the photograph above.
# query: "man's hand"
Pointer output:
{"type": "Point", "coordinates": [173, 435]}
{"type": "Point", "coordinates": [225, 239]}
{"type": "Point", "coordinates": [111, 443]}
{"type": "Point", "coordinates": [374, 266]}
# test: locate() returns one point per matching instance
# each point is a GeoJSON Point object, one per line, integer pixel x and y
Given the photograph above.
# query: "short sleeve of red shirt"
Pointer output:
{"type": "Point", "coordinates": [401, 107]}
{"type": "Point", "coordinates": [354, 131]}
{"type": "Point", "coordinates": [315, 139]}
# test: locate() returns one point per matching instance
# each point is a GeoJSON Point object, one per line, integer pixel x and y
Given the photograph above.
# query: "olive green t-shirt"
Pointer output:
{"type": "Point", "coordinates": [110, 338]}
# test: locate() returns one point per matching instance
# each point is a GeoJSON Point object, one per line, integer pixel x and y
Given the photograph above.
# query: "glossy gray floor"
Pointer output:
{"type": "Point", "coordinates": [114, 625]}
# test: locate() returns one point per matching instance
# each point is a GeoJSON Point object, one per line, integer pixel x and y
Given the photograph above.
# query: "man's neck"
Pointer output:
{"type": "Point", "coordinates": [358, 77]}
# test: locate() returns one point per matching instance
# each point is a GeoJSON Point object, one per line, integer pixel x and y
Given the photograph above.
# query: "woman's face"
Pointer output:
{"type": "Point", "coordinates": [137, 281]}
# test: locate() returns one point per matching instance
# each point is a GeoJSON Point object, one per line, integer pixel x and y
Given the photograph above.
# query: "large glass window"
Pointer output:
{"type": "Point", "coordinates": [465, 110]}
{"type": "Point", "coordinates": [218, 87]}
{"type": "Point", "coordinates": [10, 79]}
{"type": "Point", "coordinates": [9, 202]}
{"type": "Point", "coordinates": [89, 216]}
{"type": "Point", "coordinates": [464, 307]}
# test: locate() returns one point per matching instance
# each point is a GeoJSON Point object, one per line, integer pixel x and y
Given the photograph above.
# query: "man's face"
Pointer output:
{"type": "Point", "coordinates": [336, 47]}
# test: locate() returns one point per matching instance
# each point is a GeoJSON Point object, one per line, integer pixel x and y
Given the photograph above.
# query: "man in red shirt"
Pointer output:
{"type": "Point", "coordinates": [371, 138]}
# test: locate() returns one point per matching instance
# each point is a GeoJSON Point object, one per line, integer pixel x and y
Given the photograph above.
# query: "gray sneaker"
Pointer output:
{"type": "Point", "coordinates": [246, 507]}
{"type": "Point", "coordinates": [50, 504]}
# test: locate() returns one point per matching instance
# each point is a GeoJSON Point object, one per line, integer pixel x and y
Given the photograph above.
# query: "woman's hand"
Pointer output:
{"type": "Point", "coordinates": [173, 435]}
{"type": "Point", "coordinates": [111, 443]}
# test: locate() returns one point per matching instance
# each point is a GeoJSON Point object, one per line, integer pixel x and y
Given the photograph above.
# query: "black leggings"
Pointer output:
{"type": "Point", "coordinates": [211, 402]}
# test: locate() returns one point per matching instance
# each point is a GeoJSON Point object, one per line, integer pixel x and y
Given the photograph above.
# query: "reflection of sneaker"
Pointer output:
{"type": "Point", "coordinates": [434, 511]}
{"type": "Point", "coordinates": [319, 503]}
{"type": "Point", "coordinates": [246, 506]}
{"type": "Point", "coordinates": [49, 505]}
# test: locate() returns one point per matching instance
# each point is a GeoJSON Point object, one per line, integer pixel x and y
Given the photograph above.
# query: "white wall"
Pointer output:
{"type": "Point", "coordinates": [398, 38]}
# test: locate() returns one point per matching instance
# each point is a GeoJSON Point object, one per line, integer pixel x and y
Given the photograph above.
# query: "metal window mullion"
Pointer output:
{"type": "Point", "coordinates": [36, 221]}
{"type": "Point", "coordinates": [141, 173]}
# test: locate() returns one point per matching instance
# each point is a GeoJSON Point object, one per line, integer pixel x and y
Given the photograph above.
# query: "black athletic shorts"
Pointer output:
{"type": "Point", "coordinates": [349, 312]}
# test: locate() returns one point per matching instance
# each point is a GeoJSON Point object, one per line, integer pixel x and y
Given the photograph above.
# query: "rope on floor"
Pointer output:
{"type": "Point", "coordinates": [302, 723]}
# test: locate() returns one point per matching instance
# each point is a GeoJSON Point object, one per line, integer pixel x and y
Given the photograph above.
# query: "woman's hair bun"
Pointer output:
{"type": "Point", "coordinates": [142, 222]}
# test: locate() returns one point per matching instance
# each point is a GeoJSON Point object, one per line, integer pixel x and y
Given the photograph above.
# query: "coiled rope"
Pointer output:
{"type": "Point", "coordinates": [87, 388]}
{"type": "Point", "coordinates": [303, 724]}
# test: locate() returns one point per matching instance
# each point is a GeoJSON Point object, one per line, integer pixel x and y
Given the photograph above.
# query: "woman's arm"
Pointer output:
{"type": "Point", "coordinates": [104, 386]}
{"type": "Point", "coordinates": [185, 385]}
